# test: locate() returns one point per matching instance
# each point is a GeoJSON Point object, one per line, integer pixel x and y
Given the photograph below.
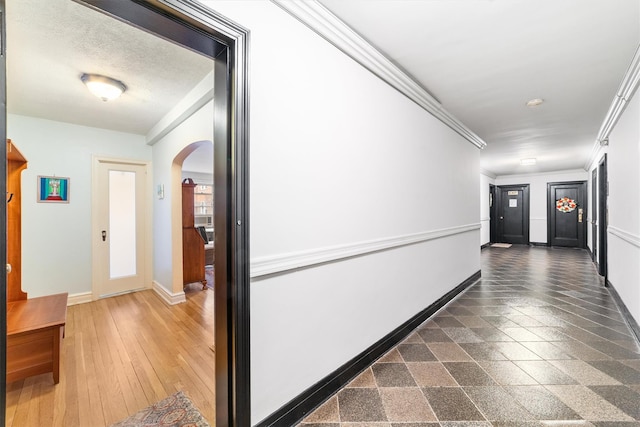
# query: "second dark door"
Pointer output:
{"type": "Point", "coordinates": [513, 214]}
{"type": "Point", "coordinates": [567, 214]}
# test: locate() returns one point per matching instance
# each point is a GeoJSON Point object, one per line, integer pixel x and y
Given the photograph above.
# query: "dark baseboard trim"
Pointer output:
{"type": "Point", "coordinates": [301, 406]}
{"type": "Point", "coordinates": [538, 244]}
{"type": "Point", "coordinates": [486, 245]}
{"type": "Point", "coordinates": [633, 325]}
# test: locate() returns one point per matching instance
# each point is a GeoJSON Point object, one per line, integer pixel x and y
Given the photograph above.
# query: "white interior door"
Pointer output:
{"type": "Point", "coordinates": [119, 228]}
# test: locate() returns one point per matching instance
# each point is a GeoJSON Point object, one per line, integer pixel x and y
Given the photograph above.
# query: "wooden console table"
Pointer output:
{"type": "Point", "coordinates": [35, 328]}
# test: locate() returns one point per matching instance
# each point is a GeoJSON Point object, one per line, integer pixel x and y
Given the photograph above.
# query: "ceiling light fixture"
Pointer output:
{"type": "Point", "coordinates": [535, 102]}
{"type": "Point", "coordinates": [528, 162]}
{"type": "Point", "coordinates": [103, 87]}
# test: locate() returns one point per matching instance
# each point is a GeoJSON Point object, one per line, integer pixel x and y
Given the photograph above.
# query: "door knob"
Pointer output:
{"type": "Point", "coordinates": [501, 217]}
{"type": "Point", "coordinates": [580, 215]}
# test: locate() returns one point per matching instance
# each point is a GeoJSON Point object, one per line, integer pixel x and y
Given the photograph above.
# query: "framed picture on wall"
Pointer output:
{"type": "Point", "coordinates": [53, 189]}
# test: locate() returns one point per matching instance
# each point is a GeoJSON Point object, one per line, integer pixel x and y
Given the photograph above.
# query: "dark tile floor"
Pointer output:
{"type": "Point", "coordinates": [538, 341]}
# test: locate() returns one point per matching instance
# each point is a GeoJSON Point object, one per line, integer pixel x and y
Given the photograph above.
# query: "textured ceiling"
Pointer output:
{"type": "Point", "coordinates": [484, 59]}
{"type": "Point", "coordinates": [50, 43]}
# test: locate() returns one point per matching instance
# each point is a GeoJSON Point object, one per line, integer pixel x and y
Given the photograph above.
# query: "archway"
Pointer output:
{"type": "Point", "coordinates": [203, 166]}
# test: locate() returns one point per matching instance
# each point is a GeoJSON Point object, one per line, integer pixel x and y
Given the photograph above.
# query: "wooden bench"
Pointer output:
{"type": "Point", "coordinates": [35, 328]}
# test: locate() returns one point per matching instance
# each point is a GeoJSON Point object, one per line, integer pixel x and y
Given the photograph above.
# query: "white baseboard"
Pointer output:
{"type": "Point", "coordinates": [79, 298]}
{"type": "Point", "coordinates": [168, 297]}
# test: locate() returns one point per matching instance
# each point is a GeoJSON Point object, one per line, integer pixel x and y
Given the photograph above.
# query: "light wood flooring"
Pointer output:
{"type": "Point", "coordinates": [120, 355]}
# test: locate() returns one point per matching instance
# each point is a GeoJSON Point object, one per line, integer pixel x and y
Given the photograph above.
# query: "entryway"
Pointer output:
{"type": "Point", "coordinates": [189, 24]}
{"type": "Point", "coordinates": [567, 214]}
{"type": "Point", "coordinates": [511, 214]}
{"type": "Point", "coordinates": [603, 216]}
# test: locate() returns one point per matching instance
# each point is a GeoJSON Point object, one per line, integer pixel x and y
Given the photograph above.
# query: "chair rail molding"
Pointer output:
{"type": "Point", "coordinates": [335, 31]}
{"type": "Point", "coordinates": [268, 265]}
{"type": "Point", "coordinates": [626, 236]}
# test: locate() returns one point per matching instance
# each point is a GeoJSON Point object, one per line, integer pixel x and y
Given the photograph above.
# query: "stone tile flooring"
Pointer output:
{"type": "Point", "coordinates": [538, 341]}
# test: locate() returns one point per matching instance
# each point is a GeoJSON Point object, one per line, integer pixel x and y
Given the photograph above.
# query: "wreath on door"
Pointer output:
{"type": "Point", "coordinates": [566, 204]}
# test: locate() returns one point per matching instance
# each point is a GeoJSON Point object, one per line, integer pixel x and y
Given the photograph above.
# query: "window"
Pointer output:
{"type": "Point", "coordinates": [203, 206]}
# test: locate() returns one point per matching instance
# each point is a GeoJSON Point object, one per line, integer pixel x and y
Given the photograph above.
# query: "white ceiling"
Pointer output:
{"type": "Point", "coordinates": [482, 59]}
{"type": "Point", "coordinates": [50, 43]}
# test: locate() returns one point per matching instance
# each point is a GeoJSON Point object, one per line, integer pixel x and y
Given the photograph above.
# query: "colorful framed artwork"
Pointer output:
{"type": "Point", "coordinates": [53, 189]}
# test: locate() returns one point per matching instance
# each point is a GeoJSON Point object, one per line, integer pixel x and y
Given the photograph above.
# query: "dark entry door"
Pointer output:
{"type": "Point", "coordinates": [567, 210]}
{"type": "Point", "coordinates": [513, 214]}
{"type": "Point", "coordinates": [603, 216]}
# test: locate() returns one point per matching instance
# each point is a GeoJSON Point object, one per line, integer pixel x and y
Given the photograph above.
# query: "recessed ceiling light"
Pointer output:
{"type": "Point", "coordinates": [103, 87]}
{"type": "Point", "coordinates": [535, 102]}
{"type": "Point", "coordinates": [528, 162]}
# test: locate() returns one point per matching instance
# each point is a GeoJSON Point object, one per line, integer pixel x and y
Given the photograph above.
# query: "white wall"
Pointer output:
{"type": "Point", "coordinates": [340, 161]}
{"type": "Point", "coordinates": [56, 238]}
{"type": "Point", "coordinates": [624, 207]}
{"type": "Point", "coordinates": [538, 196]}
{"type": "Point", "coordinates": [485, 209]}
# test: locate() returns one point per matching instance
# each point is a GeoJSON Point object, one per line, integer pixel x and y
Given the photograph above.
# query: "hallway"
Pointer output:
{"type": "Point", "coordinates": [537, 341]}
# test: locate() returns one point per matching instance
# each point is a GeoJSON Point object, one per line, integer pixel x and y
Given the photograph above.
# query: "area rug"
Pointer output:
{"type": "Point", "coordinates": [208, 274]}
{"type": "Point", "coordinates": [501, 245]}
{"type": "Point", "coordinates": [176, 410]}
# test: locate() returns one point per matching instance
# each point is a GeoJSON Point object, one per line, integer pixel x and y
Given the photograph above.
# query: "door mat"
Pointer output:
{"type": "Point", "coordinates": [501, 245]}
{"type": "Point", "coordinates": [174, 411]}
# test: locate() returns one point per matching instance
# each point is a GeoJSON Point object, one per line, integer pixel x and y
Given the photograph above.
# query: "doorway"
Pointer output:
{"type": "Point", "coordinates": [594, 216]}
{"type": "Point", "coordinates": [493, 214]}
{"type": "Point", "coordinates": [121, 240]}
{"type": "Point", "coordinates": [513, 214]}
{"type": "Point", "coordinates": [566, 214]}
{"type": "Point", "coordinates": [191, 25]}
{"type": "Point", "coordinates": [603, 216]}
{"type": "Point", "coordinates": [195, 162]}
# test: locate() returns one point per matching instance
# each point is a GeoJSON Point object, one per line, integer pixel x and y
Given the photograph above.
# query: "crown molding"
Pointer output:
{"type": "Point", "coordinates": [595, 154]}
{"type": "Point", "coordinates": [527, 175]}
{"type": "Point", "coordinates": [488, 173]}
{"type": "Point", "coordinates": [335, 31]}
{"type": "Point", "coordinates": [625, 92]}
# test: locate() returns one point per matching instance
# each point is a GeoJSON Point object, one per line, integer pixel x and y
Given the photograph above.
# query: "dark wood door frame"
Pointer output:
{"type": "Point", "coordinates": [594, 216]}
{"type": "Point", "coordinates": [603, 217]}
{"type": "Point", "coordinates": [190, 24]}
{"type": "Point", "coordinates": [493, 214]}
{"type": "Point", "coordinates": [525, 209]}
{"type": "Point", "coordinates": [550, 210]}
{"type": "Point", "coordinates": [3, 216]}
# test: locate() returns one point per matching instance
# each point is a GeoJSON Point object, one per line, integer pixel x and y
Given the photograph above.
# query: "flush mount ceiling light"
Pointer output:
{"type": "Point", "coordinates": [528, 162]}
{"type": "Point", "coordinates": [103, 87]}
{"type": "Point", "coordinates": [535, 102]}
